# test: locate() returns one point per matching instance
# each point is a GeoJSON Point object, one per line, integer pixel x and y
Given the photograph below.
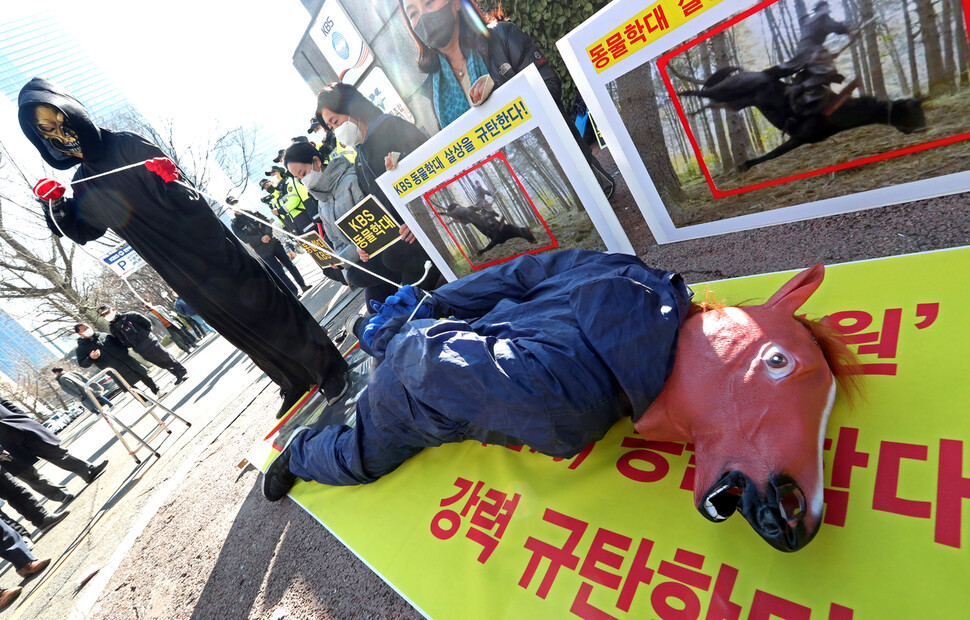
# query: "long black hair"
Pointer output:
{"type": "Point", "coordinates": [469, 37]}
{"type": "Point", "coordinates": [345, 99]}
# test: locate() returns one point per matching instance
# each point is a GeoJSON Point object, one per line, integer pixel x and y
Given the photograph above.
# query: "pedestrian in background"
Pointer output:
{"type": "Point", "coordinates": [73, 383]}
{"type": "Point", "coordinates": [134, 331]}
{"type": "Point", "coordinates": [104, 351]}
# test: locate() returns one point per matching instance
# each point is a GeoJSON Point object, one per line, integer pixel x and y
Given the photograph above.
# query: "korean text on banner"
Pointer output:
{"type": "Point", "coordinates": [319, 250]}
{"type": "Point", "coordinates": [369, 227]}
{"type": "Point", "coordinates": [509, 116]}
{"type": "Point", "coordinates": [643, 29]}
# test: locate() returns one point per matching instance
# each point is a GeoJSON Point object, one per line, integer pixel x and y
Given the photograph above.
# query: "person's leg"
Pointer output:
{"type": "Point", "coordinates": [199, 321]}
{"type": "Point", "coordinates": [104, 401]}
{"type": "Point", "coordinates": [12, 547]}
{"type": "Point", "coordinates": [59, 456]}
{"type": "Point", "coordinates": [152, 351]}
{"type": "Point", "coordinates": [284, 260]}
{"type": "Point", "coordinates": [22, 500]}
{"type": "Point", "coordinates": [16, 525]}
{"type": "Point", "coordinates": [408, 259]}
{"type": "Point", "coordinates": [36, 481]}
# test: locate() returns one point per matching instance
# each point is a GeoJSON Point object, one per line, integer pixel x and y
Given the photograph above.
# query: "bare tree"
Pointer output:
{"type": "Point", "coordinates": [235, 152]}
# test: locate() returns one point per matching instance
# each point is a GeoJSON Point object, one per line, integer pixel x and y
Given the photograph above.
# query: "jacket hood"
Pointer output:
{"type": "Point", "coordinates": [335, 170]}
{"type": "Point", "coordinates": [40, 90]}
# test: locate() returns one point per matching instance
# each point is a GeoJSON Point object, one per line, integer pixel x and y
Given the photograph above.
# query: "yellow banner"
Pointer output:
{"type": "Point", "coordinates": [643, 29]}
{"type": "Point", "coordinates": [511, 115]}
{"type": "Point", "coordinates": [472, 531]}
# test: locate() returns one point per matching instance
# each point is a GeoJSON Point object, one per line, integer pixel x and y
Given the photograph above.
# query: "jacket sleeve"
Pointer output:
{"type": "Point", "coordinates": [522, 52]}
{"type": "Point", "coordinates": [69, 222]}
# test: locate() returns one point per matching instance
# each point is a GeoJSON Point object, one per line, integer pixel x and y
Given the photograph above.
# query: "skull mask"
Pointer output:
{"type": "Point", "coordinates": [53, 126]}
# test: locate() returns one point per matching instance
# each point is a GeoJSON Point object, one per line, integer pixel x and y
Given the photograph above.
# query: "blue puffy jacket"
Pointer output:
{"type": "Point", "coordinates": [547, 351]}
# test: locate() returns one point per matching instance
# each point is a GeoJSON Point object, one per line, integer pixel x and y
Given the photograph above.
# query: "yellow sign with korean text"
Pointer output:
{"type": "Point", "coordinates": [473, 531]}
{"type": "Point", "coordinates": [510, 116]}
{"type": "Point", "coordinates": [369, 226]}
{"type": "Point", "coordinates": [322, 253]}
{"type": "Point", "coordinates": [642, 29]}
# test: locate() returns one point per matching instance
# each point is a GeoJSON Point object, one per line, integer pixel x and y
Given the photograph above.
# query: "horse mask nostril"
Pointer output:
{"type": "Point", "coordinates": [791, 504]}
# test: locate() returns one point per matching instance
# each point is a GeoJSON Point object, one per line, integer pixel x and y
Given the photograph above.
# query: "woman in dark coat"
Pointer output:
{"type": "Point", "coordinates": [174, 229]}
{"type": "Point", "coordinates": [358, 123]}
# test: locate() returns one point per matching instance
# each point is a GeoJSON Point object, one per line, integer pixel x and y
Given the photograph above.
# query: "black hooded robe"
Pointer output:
{"type": "Point", "coordinates": [176, 232]}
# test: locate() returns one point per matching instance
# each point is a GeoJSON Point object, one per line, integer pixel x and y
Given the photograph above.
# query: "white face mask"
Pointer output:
{"type": "Point", "coordinates": [87, 333]}
{"type": "Point", "coordinates": [312, 179]}
{"type": "Point", "coordinates": [348, 134]}
{"type": "Point", "coordinates": [111, 316]}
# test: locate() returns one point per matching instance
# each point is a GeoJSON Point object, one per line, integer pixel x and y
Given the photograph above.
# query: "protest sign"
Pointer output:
{"type": "Point", "coordinates": [505, 179]}
{"type": "Point", "coordinates": [742, 117]}
{"type": "Point", "coordinates": [369, 226]}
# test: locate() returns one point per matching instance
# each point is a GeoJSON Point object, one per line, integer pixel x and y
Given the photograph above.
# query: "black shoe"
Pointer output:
{"type": "Point", "coordinates": [67, 499]}
{"type": "Point", "coordinates": [52, 519]}
{"type": "Point", "coordinates": [304, 289]}
{"type": "Point", "coordinates": [290, 398]}
{"type": "Point", "coordinates": [95, 472]}
{"type": "Point", "coordinates": [278, 479]}
{"type": "Point", "coordinates": [335, 387]}
{"type": "Point", "coordinates": [182, 379]}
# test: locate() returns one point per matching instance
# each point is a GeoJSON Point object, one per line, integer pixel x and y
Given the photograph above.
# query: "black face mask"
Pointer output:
{"type": "Point", "coordinates": [435, 29]}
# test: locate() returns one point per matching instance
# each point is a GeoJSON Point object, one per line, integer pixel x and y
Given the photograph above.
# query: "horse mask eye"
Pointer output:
{"type": "Point", "coordinates": [776, 361]}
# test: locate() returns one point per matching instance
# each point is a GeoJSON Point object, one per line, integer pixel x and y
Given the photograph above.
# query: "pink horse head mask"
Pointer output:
{"type": "Point", "coordinates": [752, 389]}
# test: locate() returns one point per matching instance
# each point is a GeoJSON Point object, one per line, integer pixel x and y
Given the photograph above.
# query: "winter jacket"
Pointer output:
{"type": "Point", "coordinates": [73, 383]}
{"type": "Point", "coordinates": [113, 355]}
{"type": "Point", "coordinates": [252, 232]}
{"type": "Point", "coordinates": [337, 193]}
{"type": "Point", "coordinates": [385, 134]}
{"type": "Point", "coordinates": [16, 428]}
{"type": "Point", "coordinates": [547, 351]}
{"type": "Point", "coordinates": [131, 329]}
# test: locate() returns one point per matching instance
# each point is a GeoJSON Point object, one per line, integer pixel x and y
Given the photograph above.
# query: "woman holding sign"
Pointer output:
{"type": "Point", "coordinates": [380, 140]}
{"type": "Point", "coordinates": [466, 59]}
{"type": "Point", "coordinates": [334, 185]}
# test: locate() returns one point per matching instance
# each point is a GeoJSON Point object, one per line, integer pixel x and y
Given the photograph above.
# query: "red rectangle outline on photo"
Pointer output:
{"type": "Point", "coordinates": [664, 60]}
{"type": "Point", "coordinates": [499, 155]}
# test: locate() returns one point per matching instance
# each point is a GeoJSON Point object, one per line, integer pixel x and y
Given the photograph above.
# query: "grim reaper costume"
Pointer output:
{"type": "Point", "coordinates": [175, 231]}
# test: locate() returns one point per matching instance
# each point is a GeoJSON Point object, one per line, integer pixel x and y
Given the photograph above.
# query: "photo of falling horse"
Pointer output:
{"type": "Point", "coordinates": [789, 103]}
{"type": "Point", "coordinates": [736, 90]}
{"type": "Point", "coordinates": [550, 351]}
{"type": "Point", "coordinates": [488, 223]}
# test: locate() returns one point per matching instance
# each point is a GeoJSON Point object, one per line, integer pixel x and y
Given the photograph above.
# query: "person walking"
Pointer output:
{"type": "Point", "coordinates": [14, 550]}
{"type": "Point", "coordinates": [175, 231]}
{"type": "Point", "coordinates": [258, 234]}
{"type": "Point", "coordinates": [27, 440]}
{"type": "Point", "coordinates": [73, 383]}
{"type": "Point", "coordinates": [179, 334]}
{"type": "Point", "coordinates": [196, 322]}
{"type": "Point", "coordinates": [104, 351]}
{"type": "Point", "coordinates": [27, 504]}
{"type": "Point", "coordinates": [134, 331]}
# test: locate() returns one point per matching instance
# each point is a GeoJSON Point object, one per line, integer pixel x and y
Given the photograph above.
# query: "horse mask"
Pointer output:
{"type": "Point", "coordinates": [752, 390]}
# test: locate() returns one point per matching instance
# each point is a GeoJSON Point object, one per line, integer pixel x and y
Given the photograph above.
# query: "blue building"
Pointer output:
{"type": "Point", "coordinates": [20, 351]}
{"type": "Point", "coordinates": [38, 45]}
